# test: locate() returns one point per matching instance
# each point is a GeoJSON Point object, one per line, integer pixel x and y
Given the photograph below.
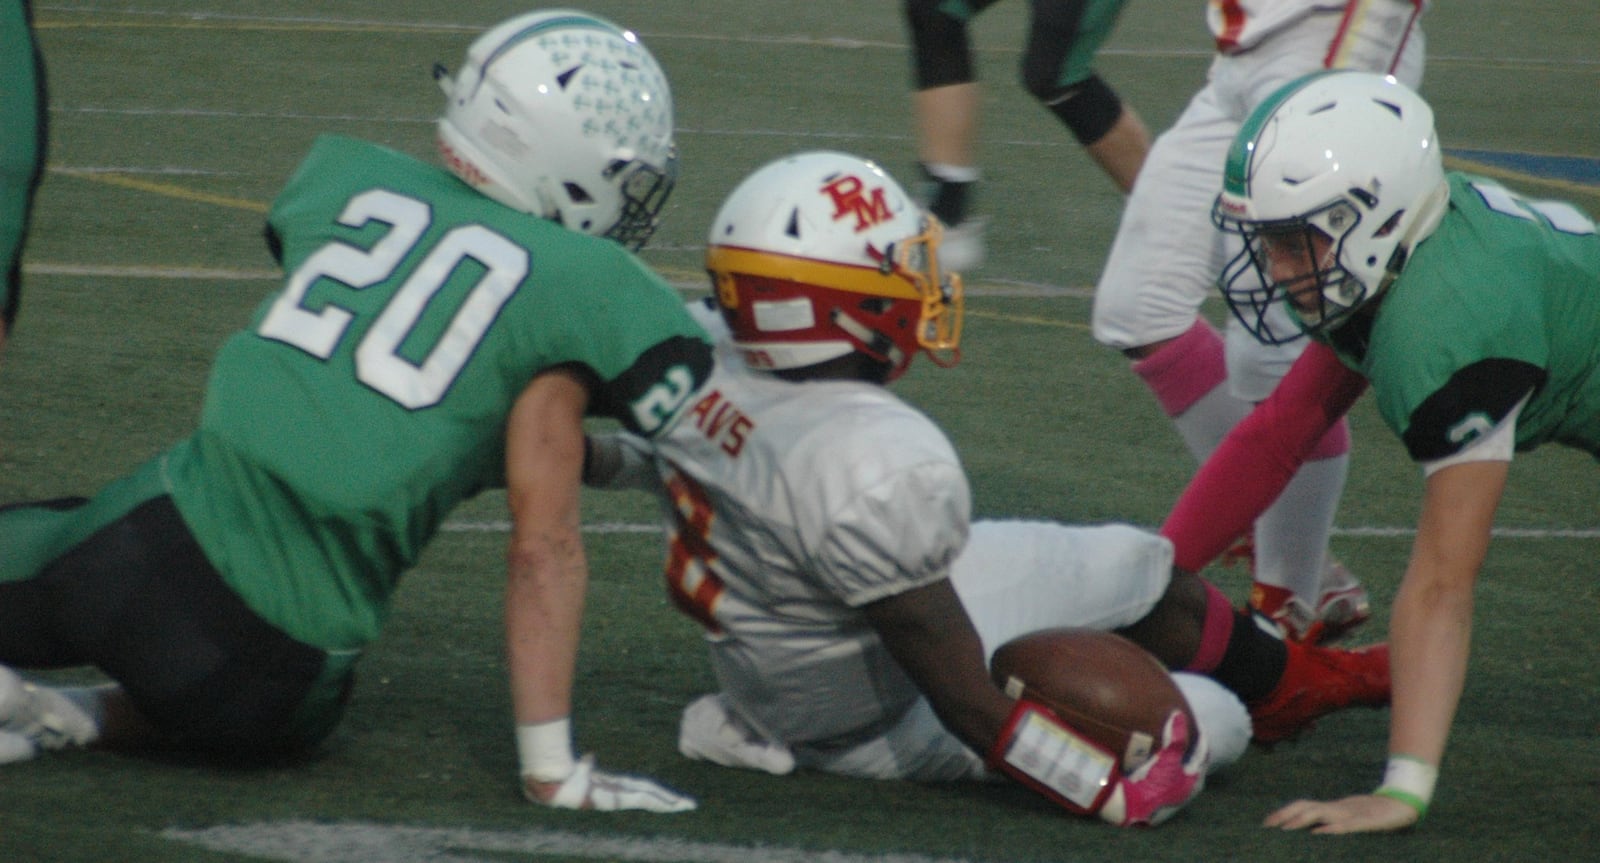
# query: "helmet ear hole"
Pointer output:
{"type": "Point", "coordinates": [578, 193]}
{"type": "Point", "coordinates": [1389, 226]}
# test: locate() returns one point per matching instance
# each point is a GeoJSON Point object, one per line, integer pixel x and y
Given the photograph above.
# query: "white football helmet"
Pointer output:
{"type": "Point", "coordinates": [822, 254]}
{"type": "Point", "coordinates": [567, 116]}
{"type": "Point", "coordinates": [1353, 155]}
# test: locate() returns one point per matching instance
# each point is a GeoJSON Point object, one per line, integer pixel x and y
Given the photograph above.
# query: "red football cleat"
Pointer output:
{"type": "Point", "coordinates": [1318, 681]}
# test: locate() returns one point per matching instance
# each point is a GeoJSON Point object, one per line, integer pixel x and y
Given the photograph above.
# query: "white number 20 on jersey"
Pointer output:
{"type": "Point", "coordinates": [378, 361]}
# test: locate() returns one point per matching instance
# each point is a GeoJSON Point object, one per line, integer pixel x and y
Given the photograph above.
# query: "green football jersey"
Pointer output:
{"type": "Point", "coordinates": [23, 123]}
{"type": "Point", "coordinates": [370, 395]}
{"type": "Point", "coordinates": [1503, 299]}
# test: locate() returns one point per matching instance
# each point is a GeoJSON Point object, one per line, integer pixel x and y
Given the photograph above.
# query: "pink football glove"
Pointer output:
{"type": "Point", "coordinates": [1163, 784]}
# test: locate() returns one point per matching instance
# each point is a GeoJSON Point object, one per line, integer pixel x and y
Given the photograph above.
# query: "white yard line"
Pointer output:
{"type": "Point", "coordinates": [316, 842]}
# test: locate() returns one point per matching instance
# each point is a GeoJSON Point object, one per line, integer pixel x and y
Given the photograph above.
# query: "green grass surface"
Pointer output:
{"type": "Point", "coordinates": [175, 124]}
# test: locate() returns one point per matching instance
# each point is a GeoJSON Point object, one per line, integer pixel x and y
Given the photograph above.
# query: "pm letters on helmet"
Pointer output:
{"type": "Point", "coordinates": [850, 197]}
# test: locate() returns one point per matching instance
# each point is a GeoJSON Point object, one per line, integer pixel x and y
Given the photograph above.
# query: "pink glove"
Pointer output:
{"type": "Point", "coordinates": [1044, 752]}
{"type": "Point", "coordinates": [1163, 784]}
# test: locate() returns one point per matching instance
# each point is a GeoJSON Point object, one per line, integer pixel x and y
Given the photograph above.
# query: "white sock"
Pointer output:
{"type": "Point", "coordinates": [1292, 536]}
{"type": "Point", "coordinates": [1204, 424]}
{"type": "Point", "coordinates": [953, 173]}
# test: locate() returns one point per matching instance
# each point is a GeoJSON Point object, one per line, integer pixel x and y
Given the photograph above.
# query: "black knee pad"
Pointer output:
{"type": "Point", "coordinates": [941, 54]}
{"type": "Point", "coordinates": [1088, 109]}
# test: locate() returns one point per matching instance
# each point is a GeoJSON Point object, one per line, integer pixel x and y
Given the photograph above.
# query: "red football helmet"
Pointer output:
{"type": "Point", "coordinates": [820, 254]}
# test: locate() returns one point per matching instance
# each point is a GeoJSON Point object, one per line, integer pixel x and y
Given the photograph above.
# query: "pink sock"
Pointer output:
{"type": "Point", "coordinates": [1187, 368]}
{"type": "Point", "coordinates": [1216, 634]}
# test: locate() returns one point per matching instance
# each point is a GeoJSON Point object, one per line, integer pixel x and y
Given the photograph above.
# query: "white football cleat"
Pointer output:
{"type": "Point", "coordinates": [708, 732]}
{"type": "Point", "coordinates": [1342, 602]}
{"type": "Point", "coordinates": [961, 249]}
{"type": "Point", "coordinates": [1342, 605]}
{"type": "Point", "coordinates": [41, 716]}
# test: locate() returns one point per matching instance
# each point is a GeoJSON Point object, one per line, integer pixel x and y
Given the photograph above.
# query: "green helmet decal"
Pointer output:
{"type": "Point", "coordinates": [1236, 171]}
{"type": "Point", "coordinates": [557, 22]}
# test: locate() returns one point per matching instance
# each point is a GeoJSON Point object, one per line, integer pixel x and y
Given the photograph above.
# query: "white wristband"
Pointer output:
{"type": "Point", "coordinates": [1410, 781]}
{"type": "Point", "coordinates": [545, 750]}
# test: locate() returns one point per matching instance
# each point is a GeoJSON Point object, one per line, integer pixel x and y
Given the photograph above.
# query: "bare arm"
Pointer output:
{"type": "Point", "coordinates": [1430, 633]}
{"type": "Point", "coordinates": [928, 632]}
{"type": "Point", "coordinates": [546, 570]}
{"type": "Point", "coordinates": [546, 573]}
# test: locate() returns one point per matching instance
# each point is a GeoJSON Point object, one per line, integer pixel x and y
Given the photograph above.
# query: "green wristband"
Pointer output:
{"type": "Point", "coordinates": [1405, 797]}
{"type": "Point", "coordinates": [1410, 781]}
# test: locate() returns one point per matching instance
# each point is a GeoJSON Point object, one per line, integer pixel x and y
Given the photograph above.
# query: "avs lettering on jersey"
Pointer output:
{"type": "Point", "coordinates": [721, 421]}
{"type": "Point", "coordinates": [1472, 403]}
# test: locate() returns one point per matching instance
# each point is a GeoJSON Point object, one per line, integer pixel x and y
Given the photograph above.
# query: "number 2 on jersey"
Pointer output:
{"type": "Point", "coordinates": [378, 361]}
{"type": "Point", "coordinates": [1561, 215]}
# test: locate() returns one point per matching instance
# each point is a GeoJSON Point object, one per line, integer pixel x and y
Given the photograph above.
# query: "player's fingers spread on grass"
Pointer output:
{"type": "Point", "coordinates": [1297, 815]}
{"type": "Point", "coordinates": [1360, 814]}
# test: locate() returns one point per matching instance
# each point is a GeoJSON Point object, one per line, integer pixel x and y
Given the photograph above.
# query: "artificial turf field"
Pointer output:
{"type": "Point", "coordinates": [174, 124]}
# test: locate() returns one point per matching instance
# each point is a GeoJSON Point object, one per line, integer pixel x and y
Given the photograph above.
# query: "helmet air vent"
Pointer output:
{"type": "Point", "coordinates": [1388, 106]}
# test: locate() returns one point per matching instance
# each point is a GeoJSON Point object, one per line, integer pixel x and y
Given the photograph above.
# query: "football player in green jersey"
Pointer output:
{"type": "Point", "coordinates": [22, 147]}
{"type": "Point", "coordinates": [439, 332]}
{"type": "Point", "coordinates": [1470, 310]}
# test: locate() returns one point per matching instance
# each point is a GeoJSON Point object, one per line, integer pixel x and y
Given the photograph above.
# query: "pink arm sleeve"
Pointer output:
{"type": "Point", "coordinates": [1254, 462]}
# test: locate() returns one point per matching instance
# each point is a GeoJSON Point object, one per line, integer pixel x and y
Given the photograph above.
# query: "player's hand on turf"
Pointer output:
{"type": "Point", "coordinates": [1164, 783]}
{"type": "Point", "coordinates": [591, 788]}
{"type": "Point", "coordinates": [1363, 813]}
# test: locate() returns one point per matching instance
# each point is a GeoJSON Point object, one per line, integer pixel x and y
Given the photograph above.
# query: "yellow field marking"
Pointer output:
{"type": "Point", "coordinates": [165, 189]}
{"type": "Point", "coordinates": [1033, 320]}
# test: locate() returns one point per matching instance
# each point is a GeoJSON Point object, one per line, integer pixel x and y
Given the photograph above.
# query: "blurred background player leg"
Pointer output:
{"type": "Point", "coordinates": [22, 147]}
{"type": "Point", "coordinates": [1057, 70]}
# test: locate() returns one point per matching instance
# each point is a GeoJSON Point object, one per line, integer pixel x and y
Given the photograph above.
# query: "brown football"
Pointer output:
{"type": "Point", "coordinates": [1109, 689]}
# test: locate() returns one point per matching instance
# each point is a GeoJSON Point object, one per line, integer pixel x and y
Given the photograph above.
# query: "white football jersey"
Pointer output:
{"type": "Point", "coordinates": [790, 506]}
{"type": "Point", "coordinates": [1240, 25]}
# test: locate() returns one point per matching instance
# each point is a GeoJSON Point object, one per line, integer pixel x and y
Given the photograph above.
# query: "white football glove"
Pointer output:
{"type": "Point", "coordinates": [590, 788]}
{"type": "Point", "coordinates": [41, 716]}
